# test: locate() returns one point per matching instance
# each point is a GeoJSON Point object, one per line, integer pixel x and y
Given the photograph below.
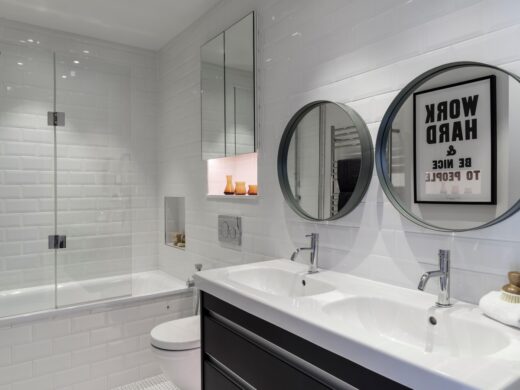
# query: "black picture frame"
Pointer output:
{"type": "Point", "coordinates": [493, 146]}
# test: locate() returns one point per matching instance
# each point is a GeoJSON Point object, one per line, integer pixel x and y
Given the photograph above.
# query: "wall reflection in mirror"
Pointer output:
{"type": "Point", "coordinates": [447, 147]}
{"type": "Point", "coordinates": [325, 161]}
{"type": "Point", "coordinates": [228, 92]}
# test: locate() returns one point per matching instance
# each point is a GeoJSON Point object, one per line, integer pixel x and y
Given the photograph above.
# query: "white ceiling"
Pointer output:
{"type": "Point", "coordinates": [148, 24]}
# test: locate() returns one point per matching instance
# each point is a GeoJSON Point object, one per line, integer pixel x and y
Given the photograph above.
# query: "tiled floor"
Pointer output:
{"type": "Point", "coordinates": [158, 382]}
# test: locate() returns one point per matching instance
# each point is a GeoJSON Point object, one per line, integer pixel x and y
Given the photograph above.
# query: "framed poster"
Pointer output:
{"type": "Point", "coordinates": [455, 143]}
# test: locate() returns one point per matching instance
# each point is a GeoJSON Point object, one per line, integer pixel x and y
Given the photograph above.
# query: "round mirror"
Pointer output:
{"type": "Point", "coordinates": [446, 152]}
{"type": "Point", "coordinates": [325, 161]}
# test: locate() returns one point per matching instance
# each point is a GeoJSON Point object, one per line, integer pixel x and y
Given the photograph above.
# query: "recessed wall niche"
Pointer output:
{"type": "Point", "coordinates": [174, 222]}
{"type": "Point", "coordinates": [241, 168]}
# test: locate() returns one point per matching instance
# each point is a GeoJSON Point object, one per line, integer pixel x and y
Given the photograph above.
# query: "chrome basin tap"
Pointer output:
{"type": "Point", "coordinates": [313, 267]}
{"type": "Point", "coordinates": [444, 278]}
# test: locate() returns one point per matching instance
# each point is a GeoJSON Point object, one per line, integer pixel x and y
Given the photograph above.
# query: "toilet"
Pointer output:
{"type": "Point", "coordinates": [176, 346]}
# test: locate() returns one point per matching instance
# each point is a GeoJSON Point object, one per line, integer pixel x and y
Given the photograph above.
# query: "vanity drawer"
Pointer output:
{"type": "Point", "coordinates": [214, 379]}
{"type": "Point", "coordinates": [251, 362]}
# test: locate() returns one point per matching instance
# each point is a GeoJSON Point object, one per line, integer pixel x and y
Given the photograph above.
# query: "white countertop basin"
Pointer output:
{"type": "Point", "coordinates": [428, 330]}
{"type": "Point", "coordinates": [384, 328]}
{"type": "Point", "coordinates": [279, 282]}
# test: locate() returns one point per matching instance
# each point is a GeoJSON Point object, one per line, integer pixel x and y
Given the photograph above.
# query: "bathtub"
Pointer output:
{"type": "Point", "coordinates": [39, 301]}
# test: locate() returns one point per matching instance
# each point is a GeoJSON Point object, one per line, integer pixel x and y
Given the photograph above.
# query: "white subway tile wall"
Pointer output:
{"type": "Point", "coordinates": [356, 52]}
{"type": "Point", "coordinates": [95, 349]}
{"type": "Point", "coordinates": [106, 157]}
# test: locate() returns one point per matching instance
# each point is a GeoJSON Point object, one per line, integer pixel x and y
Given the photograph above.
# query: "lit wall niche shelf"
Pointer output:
{"type": "Point", "coordinates": [242, 168]}
{"type": "Point", "coordinates": [245, 198]}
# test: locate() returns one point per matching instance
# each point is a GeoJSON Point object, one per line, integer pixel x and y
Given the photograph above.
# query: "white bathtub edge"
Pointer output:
{"type": "Point", "coordinates": [89, 307]}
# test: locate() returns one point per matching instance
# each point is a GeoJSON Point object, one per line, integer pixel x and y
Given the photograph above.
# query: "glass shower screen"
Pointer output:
{"type": "Point", "coordinates": [26, 179]}
{"type": "Point", "coordinates": [93, 180]}
{"type": "Point", "coordinates": [72, 180]}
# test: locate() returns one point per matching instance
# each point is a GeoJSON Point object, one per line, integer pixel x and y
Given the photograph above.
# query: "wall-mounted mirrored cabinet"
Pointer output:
{"type": "Point", "coordinates": [325, 161]}
{"type": "Point", "coordinates": [228, 91]}
{"type": "Point", "coordinates": [446, 152]}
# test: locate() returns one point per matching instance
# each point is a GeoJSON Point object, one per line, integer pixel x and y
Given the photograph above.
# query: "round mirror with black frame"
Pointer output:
{"type": "Point", "coordinates": [325, 161]}
{"type": "Point", "coordinates": [447, 148]}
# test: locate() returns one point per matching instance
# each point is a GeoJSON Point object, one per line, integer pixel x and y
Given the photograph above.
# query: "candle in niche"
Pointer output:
{"type": "Point", "coordinates": [240, 188]}
{"type": "Point", "coordinates": [229, 190]}
{"type": "Point", "coordinates": [253, 189]}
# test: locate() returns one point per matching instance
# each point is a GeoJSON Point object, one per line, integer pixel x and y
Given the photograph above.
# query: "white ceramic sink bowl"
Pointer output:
{"type": "Point", "coordinates": [411, 326]}
{"type": "Point", "coordinates": [279, 282]}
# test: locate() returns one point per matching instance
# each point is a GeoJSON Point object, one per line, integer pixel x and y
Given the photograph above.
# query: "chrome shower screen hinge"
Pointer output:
{"type": "Point", "coordinates": [56, 118]}
{"type": "Point", "coordinates": [57, 242]}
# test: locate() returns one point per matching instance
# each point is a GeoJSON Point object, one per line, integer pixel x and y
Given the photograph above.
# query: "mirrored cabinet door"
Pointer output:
{"type": "Point", "coordinates": [240, 87]}
{"type": "Point", "coordinates": [228, 92]}
{"type": "Point", "coordinates": [212, 101]}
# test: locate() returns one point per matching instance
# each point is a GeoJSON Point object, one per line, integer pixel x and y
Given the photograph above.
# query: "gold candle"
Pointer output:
{"type": "Point", "coordinates": [229, 190]}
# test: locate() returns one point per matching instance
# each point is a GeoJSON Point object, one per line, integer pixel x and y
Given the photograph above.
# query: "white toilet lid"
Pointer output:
{"type": "Point", "coordinates": [177, 335]}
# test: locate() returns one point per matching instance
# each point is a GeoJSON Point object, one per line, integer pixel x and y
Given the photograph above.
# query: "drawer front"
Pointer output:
{"type": "Point", "coordinates": [252, 363]}
{"type": "Point", "coordinates": [216, 380]}
{"type": "Point", "coordinates": [321, 363]}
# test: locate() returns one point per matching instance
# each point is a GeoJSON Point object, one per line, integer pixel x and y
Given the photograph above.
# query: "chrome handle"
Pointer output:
{"type": "Point", "coordinates": [57, 242]}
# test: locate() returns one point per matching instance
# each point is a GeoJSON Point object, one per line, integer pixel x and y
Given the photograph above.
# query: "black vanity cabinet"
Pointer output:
{"type": "Point", "coordinates": [241, 351]}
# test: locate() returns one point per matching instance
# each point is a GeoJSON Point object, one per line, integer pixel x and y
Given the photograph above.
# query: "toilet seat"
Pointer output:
{"type": "Point", "coordinates": [177, 335]}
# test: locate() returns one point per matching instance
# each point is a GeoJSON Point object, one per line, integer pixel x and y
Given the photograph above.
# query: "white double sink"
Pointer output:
{"type": "Point", "coordinates": [396, 332]}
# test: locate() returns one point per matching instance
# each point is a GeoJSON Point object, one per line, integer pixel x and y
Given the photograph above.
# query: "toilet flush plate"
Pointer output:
{"type": "Point", "coordinates": [230, 229]}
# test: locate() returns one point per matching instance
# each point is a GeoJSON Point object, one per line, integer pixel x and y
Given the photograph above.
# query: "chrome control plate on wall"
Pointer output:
{"type": "Point", "coordinates": [230, 229]}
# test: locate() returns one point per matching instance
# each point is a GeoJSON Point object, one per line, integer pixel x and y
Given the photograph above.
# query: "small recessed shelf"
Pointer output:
{"type": "Point", "coordinates": [241, 168]}
{"type": "Point", "coordinates": [182, 248]}
{"type": "Point", "coordinates": [239, 197]}
{"type": "Point", "coordinates": [250, 198]}
{"type": "Point", "coordinates": [174, 222]}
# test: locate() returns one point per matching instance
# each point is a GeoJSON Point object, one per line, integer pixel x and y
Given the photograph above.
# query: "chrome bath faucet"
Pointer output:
{"type": "Point", "coordinates": [444, 278]}
{"type": "Point", "coordinates": [313, 267]}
